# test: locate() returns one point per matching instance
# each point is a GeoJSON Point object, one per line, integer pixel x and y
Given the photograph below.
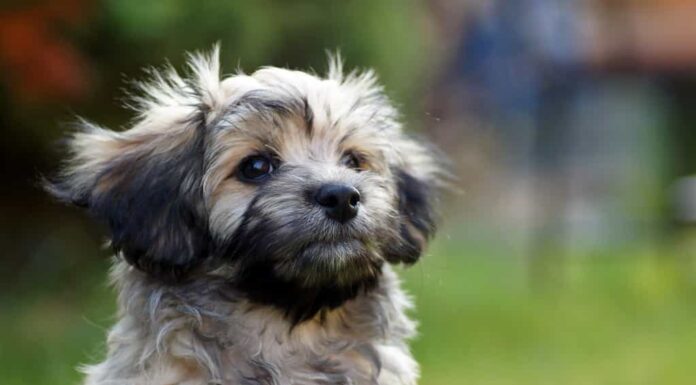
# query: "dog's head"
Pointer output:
{"type": "Point", "coordinates": [305, 186]}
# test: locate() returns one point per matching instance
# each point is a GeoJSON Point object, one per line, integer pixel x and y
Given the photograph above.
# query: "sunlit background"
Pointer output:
{"type": "Point", "coordinates": [567, 252]}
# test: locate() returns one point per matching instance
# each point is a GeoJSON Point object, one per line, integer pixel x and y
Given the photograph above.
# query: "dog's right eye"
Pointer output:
{"type": "Point", "coordinates": [255, 168]}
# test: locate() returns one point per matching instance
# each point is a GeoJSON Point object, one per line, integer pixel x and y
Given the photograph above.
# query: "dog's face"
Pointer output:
{"type": "Point", "coordinates": [304, 186]}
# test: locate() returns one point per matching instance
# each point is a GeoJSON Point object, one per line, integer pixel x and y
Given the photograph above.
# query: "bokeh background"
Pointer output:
{"type": "Point", "coordinates": [567, 253]}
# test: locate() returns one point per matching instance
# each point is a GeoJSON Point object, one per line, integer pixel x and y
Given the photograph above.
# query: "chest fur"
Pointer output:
{"type": "Point", "coordinates": [209, 335]}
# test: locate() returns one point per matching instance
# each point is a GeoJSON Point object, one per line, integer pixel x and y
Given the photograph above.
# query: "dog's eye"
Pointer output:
{"type": "Point", "coordinates": [255, 168]}
{"type": "Point", "coordinates": [352, 160]}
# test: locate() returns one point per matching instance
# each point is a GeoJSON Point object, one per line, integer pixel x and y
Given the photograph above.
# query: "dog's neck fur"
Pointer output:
{"type": "Point", "coordinates": [205, 332]}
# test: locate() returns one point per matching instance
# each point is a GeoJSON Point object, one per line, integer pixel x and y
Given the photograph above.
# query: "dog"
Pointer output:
{"type": "Point", "coordinates": [255, 219]}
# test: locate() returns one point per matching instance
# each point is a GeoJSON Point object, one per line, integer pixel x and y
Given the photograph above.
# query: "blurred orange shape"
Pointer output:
{"type": "Point", "coordinates": [38, 64]}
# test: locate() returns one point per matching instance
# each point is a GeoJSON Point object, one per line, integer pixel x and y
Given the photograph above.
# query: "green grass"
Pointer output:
{"type": "Point", "coordinates": [46, 332]}
{"type": "Point", "coordinates": [627, 317]}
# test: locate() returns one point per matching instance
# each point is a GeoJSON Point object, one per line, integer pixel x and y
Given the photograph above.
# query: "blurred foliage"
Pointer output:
{"type": "Point", "coordinates": [255, 33]}
{"type": "Point", "coordinates": [83, 53]}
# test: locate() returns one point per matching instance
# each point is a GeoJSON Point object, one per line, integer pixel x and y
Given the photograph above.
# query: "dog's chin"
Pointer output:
{"type": "Point", "coordinates": [334, 263]}
{"type": "Point", "coordinates": [322, 274]}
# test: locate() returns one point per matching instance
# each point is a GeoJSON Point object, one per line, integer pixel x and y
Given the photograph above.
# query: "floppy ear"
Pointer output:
{"type": "Point", "coordinates": [147, 188]}
{"type": "Point", "coordinates": [418, 183]}
{"type": "Point", "coordinates": [146, 182]}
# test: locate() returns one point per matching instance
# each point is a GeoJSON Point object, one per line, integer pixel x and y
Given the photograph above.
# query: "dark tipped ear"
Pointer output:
{"type": "Point", "coordinates": [146, 182]}
{"type": "Point", "coordinates": [418, 219]}
{"type": "Point", "coordinates": [148, 189]}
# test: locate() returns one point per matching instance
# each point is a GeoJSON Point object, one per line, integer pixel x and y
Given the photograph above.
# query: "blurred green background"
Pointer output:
{"type": "Point", "coordinates": [567, 252]}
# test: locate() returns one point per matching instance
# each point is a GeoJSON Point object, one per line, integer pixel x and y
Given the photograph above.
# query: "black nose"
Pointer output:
{"type": "Point", "coordinates": [339, 201]}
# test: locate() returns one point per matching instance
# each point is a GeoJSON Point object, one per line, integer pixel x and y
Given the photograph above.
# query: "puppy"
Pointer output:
{"type": "Point", "coordinates": [254, 220]}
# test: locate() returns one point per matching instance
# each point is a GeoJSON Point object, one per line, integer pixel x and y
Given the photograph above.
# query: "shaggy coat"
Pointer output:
{"type": "Point", "coordinates": [229, 268]}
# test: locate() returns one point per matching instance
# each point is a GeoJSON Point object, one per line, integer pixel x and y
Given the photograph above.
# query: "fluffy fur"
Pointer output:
{"type": "Point", "coordinates": [222, 281]}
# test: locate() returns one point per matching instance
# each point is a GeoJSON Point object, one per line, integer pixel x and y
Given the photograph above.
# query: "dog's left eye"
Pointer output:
{"type": "Point", "coordinates": [351, 160]}
{"type": "Point", "coordinates": [255, 168]}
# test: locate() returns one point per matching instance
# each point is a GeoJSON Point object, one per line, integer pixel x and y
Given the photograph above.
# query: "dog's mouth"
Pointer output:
{"type": "Point", "coordinates": [335, 262]}
{"type": "Point", "coordinates": [318, 274]}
